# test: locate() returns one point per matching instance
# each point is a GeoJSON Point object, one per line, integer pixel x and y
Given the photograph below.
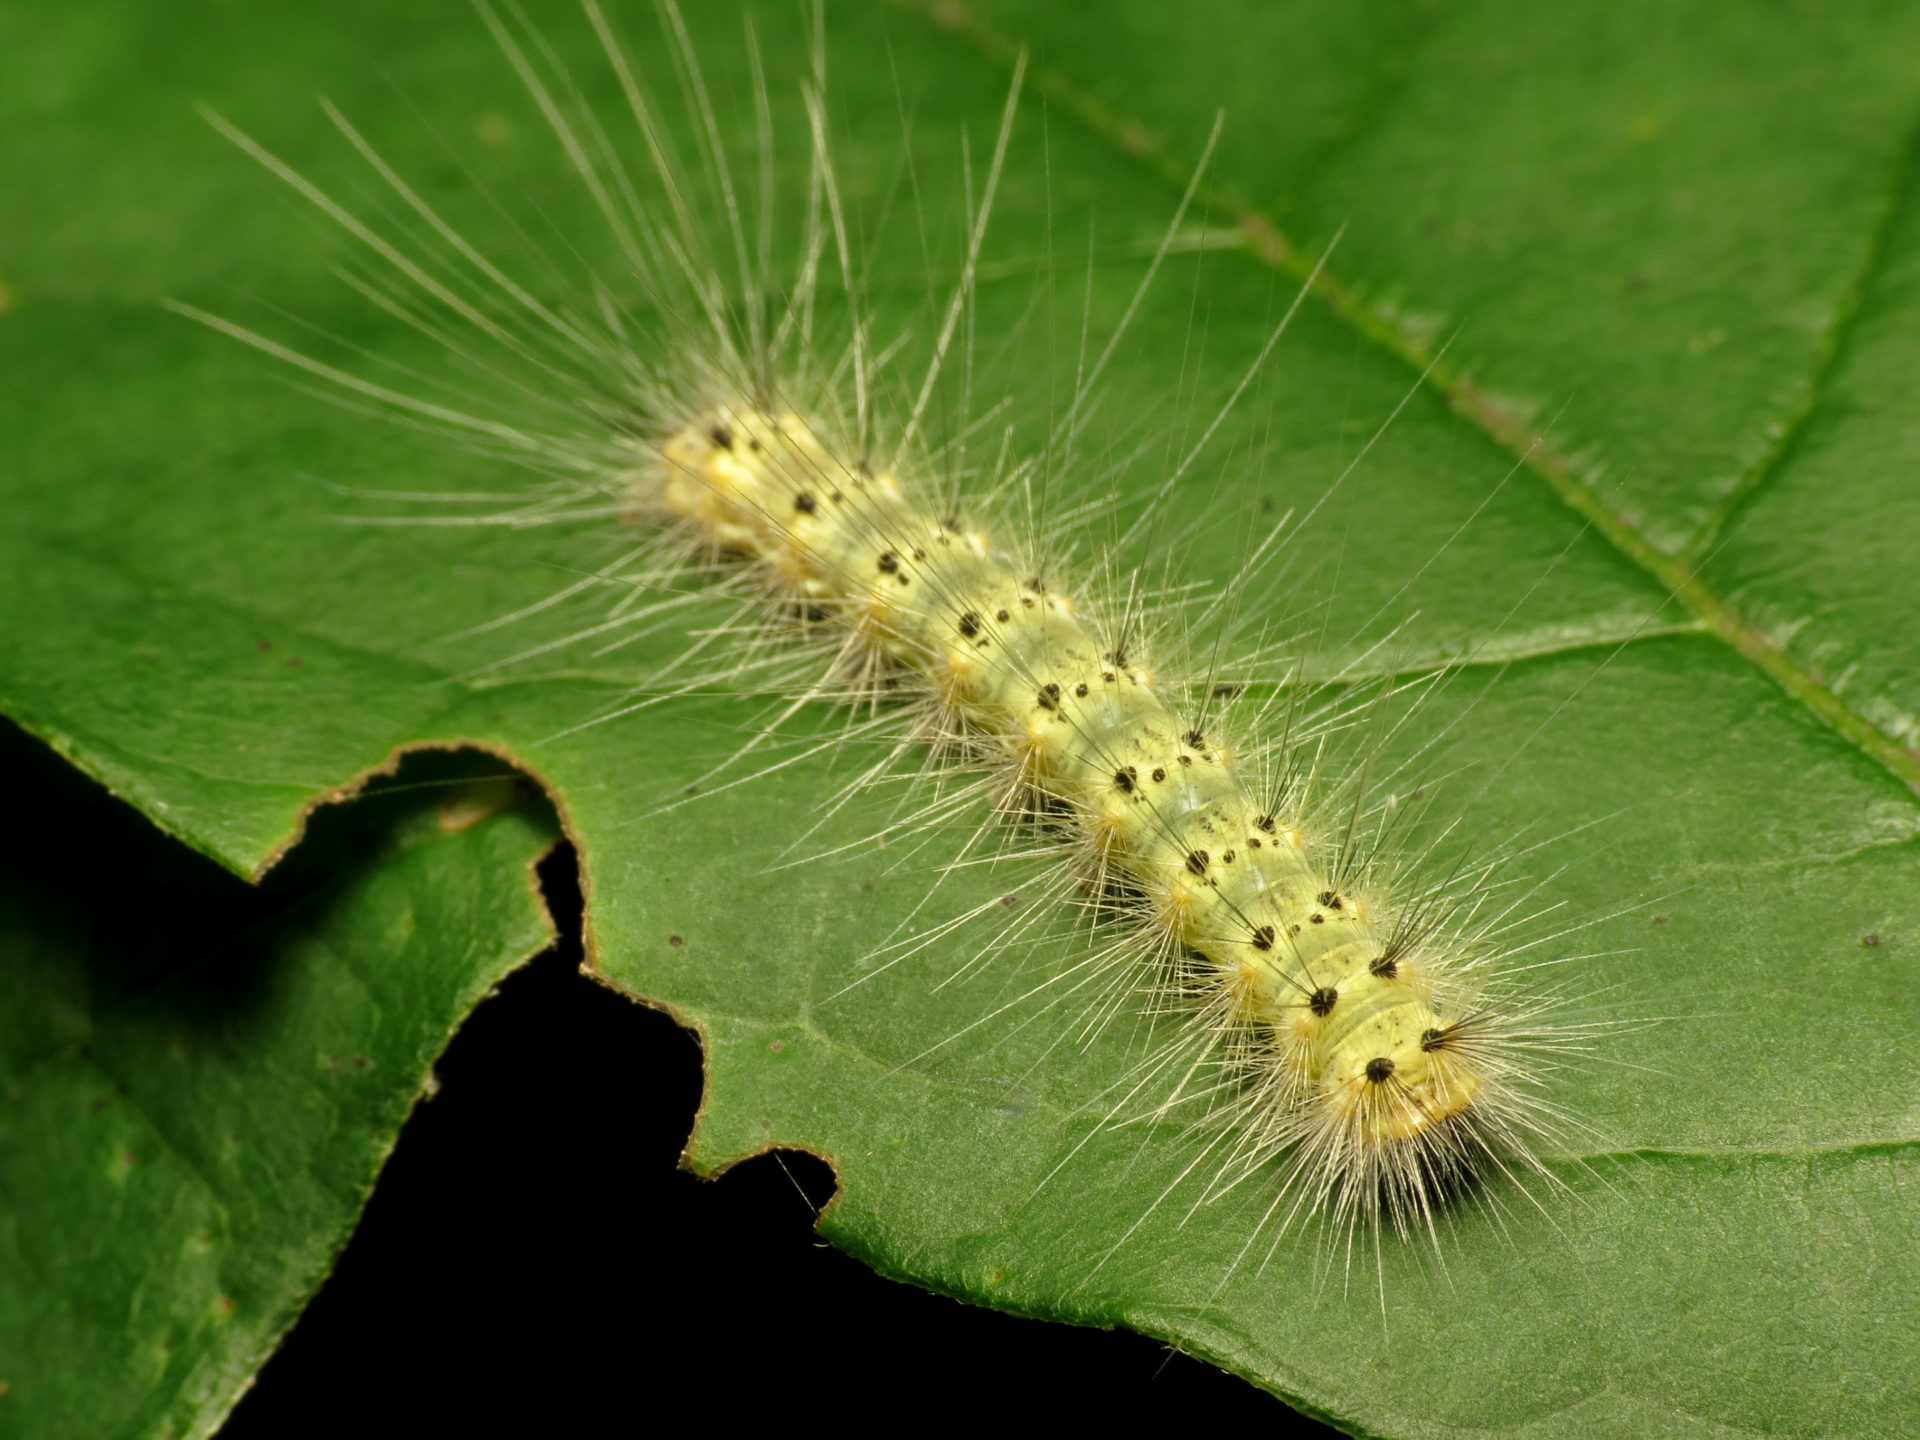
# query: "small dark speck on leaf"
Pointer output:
{"type": "Point", "coordinates": [263, 646]}
{"type": "Point", "coordinates": [777, 1046]}
{"type": "Point", "coordinates": [675, 941]}
{"type": "Point", "coordinates": [1659, 920]}
{"type": "Point", "coordinates": [1870, 940]}
{"type": "Point", "coordinates": [294, 662]}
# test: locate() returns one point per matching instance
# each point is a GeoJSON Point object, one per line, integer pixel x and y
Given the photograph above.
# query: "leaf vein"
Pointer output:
{"type": "Point", "coordinates": [1270, 246]}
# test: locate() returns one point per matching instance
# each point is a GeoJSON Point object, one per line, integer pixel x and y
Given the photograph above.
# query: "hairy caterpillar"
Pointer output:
{"type": "Point", "coordinates": [1387, 1090]}
{"type": "Point", "coordinates": [1335, 1028]}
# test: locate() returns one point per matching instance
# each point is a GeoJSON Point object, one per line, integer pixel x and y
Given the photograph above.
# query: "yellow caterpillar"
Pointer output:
{"type": "Point", "coordinates": [1342, 1017]}
{"type": "Point", "coordinates": [1339, 1033]}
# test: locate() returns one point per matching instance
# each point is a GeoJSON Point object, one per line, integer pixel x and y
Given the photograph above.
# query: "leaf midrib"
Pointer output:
{"type": "Point", "coordinates": [1269, 245]}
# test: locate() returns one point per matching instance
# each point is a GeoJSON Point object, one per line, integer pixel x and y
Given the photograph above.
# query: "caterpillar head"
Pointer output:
{"type": "Point", "coordinates": [1398, 1074]}
{"type": "Point", "coordinates": [1407, 1108]}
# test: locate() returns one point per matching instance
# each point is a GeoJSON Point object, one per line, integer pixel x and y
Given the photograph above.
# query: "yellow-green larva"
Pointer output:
{"type": "Point", "coordinates": [1362, 1055]}
{"type": "Point", "coordinates": [1371, 1063]}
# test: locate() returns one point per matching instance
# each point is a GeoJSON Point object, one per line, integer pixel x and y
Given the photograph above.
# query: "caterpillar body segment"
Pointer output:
{"type": "Point", "coordinates": [1361, 1058]}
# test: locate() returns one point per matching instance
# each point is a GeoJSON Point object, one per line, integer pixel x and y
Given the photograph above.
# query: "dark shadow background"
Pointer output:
{"type": "Point", "coordinates": [534, 1262]}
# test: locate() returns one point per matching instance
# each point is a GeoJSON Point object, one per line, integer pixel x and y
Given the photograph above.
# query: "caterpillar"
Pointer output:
{"type": "Point", "coordinates": [1360, 1061]}
{"type": "Point", "coordinates": [1339, 1034]}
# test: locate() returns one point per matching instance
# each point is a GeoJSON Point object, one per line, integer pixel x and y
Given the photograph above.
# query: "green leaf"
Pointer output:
{"type": "Point", "coordinates": [199, 1079]}
{"type": "Point", "coordinates": [1677, 248]}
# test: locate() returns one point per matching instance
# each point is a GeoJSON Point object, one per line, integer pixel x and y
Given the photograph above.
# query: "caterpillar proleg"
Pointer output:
{"type": "Point", "coordinates": [1340, 1035]}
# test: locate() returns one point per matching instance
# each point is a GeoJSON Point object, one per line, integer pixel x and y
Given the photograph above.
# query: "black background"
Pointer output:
{"type": "Point", "coordinates": [533, 1261]}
